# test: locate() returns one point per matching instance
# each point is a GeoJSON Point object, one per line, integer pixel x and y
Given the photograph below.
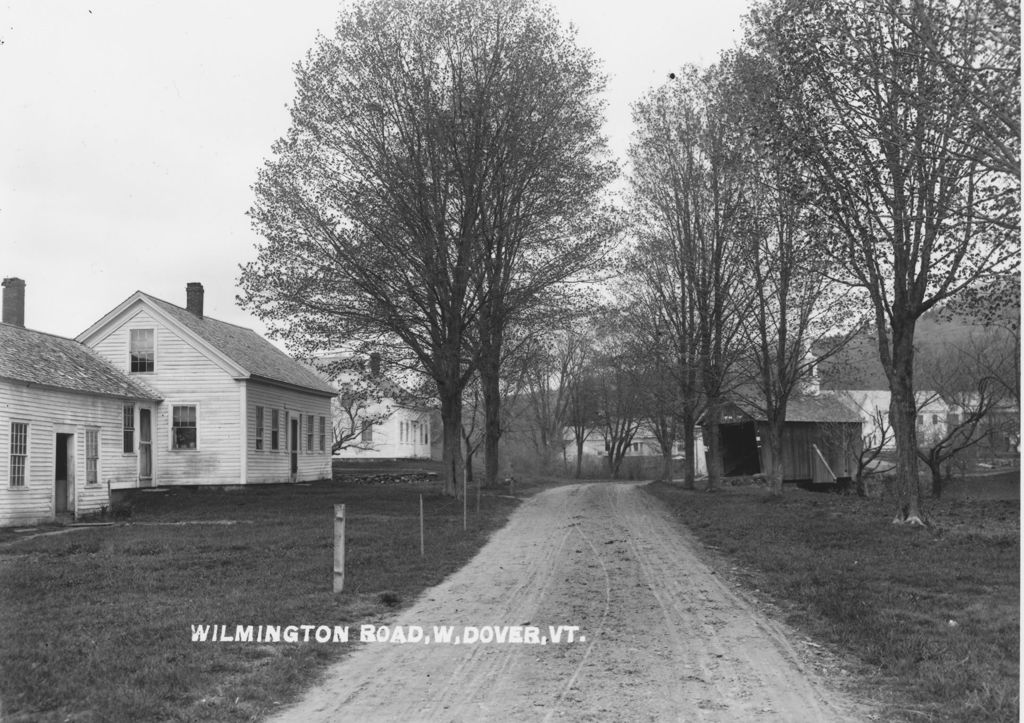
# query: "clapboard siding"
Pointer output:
{"type": "Point", "coordinates": [387, 440]}
{"type": "Point", "coordinates": [268, 465]}
{"type": "Point", "coordinates": [48, 412]}
{"type": "Point", "coordinates": [185, 375]}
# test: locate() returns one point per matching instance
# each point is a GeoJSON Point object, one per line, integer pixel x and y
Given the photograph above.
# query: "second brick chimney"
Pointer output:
{"type": "Point", "coordinates": [14, 301]}
{"type": "Point", "coordinates": [194, 298]}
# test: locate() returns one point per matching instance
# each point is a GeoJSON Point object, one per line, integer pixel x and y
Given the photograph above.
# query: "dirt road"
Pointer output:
{"type": "Point", "coordinates": [661, 637]}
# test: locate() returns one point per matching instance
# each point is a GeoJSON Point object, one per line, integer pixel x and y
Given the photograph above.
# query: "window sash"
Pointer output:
{"type": "Point", "coordinates": [275, 432]}
{"type": "Point", "coordinates": [141, 350]}
{"type": "Point", "coordinates": [309, 433]}
{"type": "Point", "coordinates": [128, 426]}
{"type": "Point", "coordinates": [19, 453]}
{"type": "Point", "coordinates": [323, 434]}
{"type": "Point", "coordinates": [184, 427]}
{"type": "Point", "coordinates": [259, 427]}
{"type": "Point", "coordinates": [92, 456]}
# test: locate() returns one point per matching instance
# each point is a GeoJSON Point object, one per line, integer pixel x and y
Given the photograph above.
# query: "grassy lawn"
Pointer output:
{"type": "Point", "coordinates": [95, 623]}
{"type": "Point", "coordinates": [884, 594]}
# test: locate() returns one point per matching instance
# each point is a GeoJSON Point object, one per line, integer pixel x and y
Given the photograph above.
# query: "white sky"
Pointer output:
{"type": "Point", "coordinates": [131, 132]}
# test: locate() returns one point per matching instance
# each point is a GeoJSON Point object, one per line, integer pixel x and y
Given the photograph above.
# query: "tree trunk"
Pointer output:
{"type": "Point", "coordinates": [714, 447]}
{"type": "Point", "coordinates": [903, 415]}
{"type": "Point", "coordinates": [451, 425]}
{"type": "Point", "coordinates": [490, 383]}
{"type": "Point", "coordinates": [689, 460]}
{"type": "Point", "coordinates": [579, 458]}
{"type": "Point", "coordinates": [666, 464]}
{"type": "Point", "coordinates": [776, 471]}
{"type": "Point", "coordinates": [935, 467]}
{"type": "Point", "coordinates": [862, 487]}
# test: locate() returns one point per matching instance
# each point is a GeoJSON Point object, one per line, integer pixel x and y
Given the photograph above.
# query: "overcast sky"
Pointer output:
{"type": "Point", "coordinates": [131, 132]}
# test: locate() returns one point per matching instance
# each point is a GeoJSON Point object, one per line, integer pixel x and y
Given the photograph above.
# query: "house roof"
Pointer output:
{"type": "Point", "coordinates": [34, 357]}
{"type": "Point", "coordinates": [823, 407]}
{"type": "Point", "coordinates": [246, 348]}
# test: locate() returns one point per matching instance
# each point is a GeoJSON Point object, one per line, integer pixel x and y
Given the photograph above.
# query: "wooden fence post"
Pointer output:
{"type": "Point", "coordinates": [339, 548]}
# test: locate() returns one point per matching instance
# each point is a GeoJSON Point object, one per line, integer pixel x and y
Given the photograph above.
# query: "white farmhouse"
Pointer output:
{"type": "Point", "coordinates": [234, 409]}
{"type": "Point", "coordinates": [61, 415]}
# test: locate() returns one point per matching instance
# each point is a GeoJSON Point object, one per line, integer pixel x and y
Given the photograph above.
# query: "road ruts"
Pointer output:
{"type": "Point", "coordinates": [666, 639]}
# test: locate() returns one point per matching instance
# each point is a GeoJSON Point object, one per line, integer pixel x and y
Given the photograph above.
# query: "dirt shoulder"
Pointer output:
{"type": "Point", "coordinates": [660, 635]}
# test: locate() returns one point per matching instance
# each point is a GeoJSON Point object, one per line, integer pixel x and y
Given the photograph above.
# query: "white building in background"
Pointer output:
{"type": "Point", "coordinates": [644, 444]}
{"type": "Point", "coordinates": [873, 407]}
{"type": "Point", "coordinates": [382, 425]}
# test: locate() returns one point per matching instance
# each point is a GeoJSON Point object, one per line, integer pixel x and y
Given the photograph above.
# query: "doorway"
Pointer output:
{"type": "Point", "coordinates": [64, 474]}
{"type": "Point", "coordinates": [145, 447]}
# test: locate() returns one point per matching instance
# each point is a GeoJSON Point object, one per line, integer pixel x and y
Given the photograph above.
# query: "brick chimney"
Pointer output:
{"type": "Point", "coordinates": [14, 301]}
{"type": "Point", "coordinates": [194, 298]}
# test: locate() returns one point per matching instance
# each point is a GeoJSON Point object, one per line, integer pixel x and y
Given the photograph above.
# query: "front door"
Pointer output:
{"type": "Point", "coordinates": [293, 445]}
{"type": "Point", "coordinates": [145, 447]}
{"type": "Point", "coordinates": [64, 476]}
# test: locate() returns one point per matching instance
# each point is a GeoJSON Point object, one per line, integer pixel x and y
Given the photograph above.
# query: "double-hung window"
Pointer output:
{"type": "Point", "coordinates": [184, 427]}
{"type": "Point", "coordinates": [323, 434]}
{"type": "Point", "coordinates": [141, 350]}
{"type": "Point", "coordinates": [259, 427]}
{"type": "Point", "coordinates": [128, 429]}
{"type": "Point", "coordinates": [275, 433]}
{"type": "Point", "coordinates": [309, 433]}
{"type": "Point", "coordinates": [19, 453]}
{"type": "Point", "coordinates": [92, 456]}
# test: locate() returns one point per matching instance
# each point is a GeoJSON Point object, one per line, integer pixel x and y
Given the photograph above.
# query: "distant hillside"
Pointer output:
{"type": "Point", "coordinates": [857, 365]}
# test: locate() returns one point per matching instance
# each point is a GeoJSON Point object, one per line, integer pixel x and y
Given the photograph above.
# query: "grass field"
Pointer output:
{"type": "Point", "coordinates": [95, 623]}
{"type": "Point", "coordinates": [932, 615]}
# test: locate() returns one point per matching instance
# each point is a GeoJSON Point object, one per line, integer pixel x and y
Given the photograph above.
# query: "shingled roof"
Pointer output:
{"type": "Point", "coordinates": [249, 350]}
{"type": "Point", "coordinates": [33, 357]}
{"type": "Point", "coordinates": [824, 407]}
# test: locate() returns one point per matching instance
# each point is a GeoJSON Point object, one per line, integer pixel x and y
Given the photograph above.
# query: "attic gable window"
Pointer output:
{"type": "Point", "coordinates": [141, 350]}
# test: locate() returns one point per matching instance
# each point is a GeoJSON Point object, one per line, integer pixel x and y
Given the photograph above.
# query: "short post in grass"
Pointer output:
{"type": "Point", "coordinates": [339, 548]}
{"type": "Point", "coordinates": [422, 552]}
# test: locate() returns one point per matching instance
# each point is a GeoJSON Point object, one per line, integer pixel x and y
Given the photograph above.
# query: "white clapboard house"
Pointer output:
{"type": "Point", "coordinates": [61, 421]}
{"type": "Point", "coordinates": [234, 408]}
{"type": "Point", "coordinates": [152, 394]}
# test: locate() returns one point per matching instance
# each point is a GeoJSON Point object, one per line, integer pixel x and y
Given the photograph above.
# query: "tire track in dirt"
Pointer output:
{"type": "Point", "coordinates": [666, 639]}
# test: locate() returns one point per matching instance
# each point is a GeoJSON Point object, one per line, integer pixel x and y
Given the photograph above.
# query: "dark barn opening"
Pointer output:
{"type": "Point", "coordinates": [740, 454]}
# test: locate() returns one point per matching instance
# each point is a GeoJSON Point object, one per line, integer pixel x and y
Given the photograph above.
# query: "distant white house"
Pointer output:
{"type": "Point", "coordinates": [644, 444]}
{"type": "Point", "coordinates": [873, 407]}
{"type": "Point", "coordinates": [233, 408]}
{"type": "Point", "coordinates": [372, 418]}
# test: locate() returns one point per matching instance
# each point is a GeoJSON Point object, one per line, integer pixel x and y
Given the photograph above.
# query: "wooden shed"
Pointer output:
{"type": "Point", "coordinates": [821, 439]}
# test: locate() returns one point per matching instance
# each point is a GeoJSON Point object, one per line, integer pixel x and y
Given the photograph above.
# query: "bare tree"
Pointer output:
{"type": "Point", "coordinates": [555, 364]}
{"type": "Point", "coordinates": [418, 199]}
{"type": "Point", "coordinates": [903, 174]}
{"type": "Point", "coordinates": [689, 184]}
{"type": "Point", "coordinates": [968, 379]}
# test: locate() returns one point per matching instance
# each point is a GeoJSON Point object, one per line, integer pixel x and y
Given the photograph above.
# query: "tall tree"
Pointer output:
{"type": "Point", "coordinates": [690, 183]}
{"type": "Point", "coordinates": [903, 173]}
{"type": "Point", "coordinates": [797, 315]}
{"type": "Point", "coordinates": [420, 197]}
